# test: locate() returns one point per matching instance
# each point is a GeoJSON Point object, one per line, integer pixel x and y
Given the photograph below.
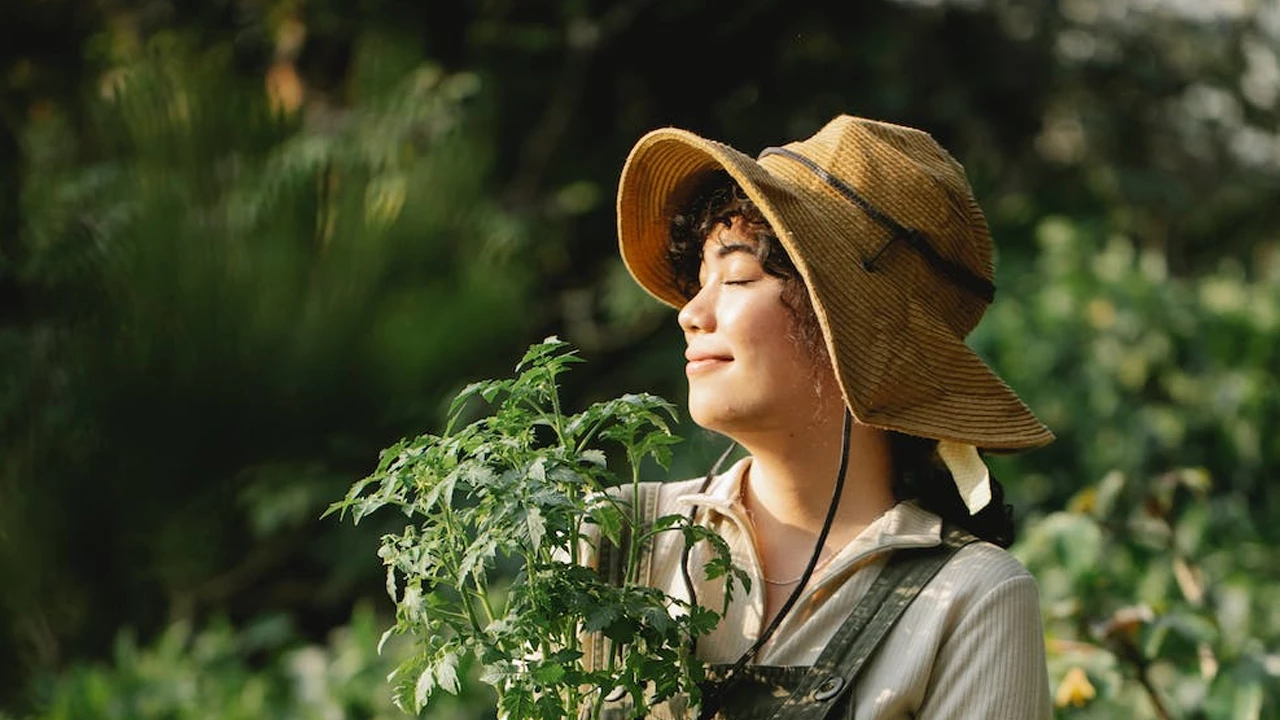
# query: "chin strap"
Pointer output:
{"type": "Point", "coordinates": [973, 480]}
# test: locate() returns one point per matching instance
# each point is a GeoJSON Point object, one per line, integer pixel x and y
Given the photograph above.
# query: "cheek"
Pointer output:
{"type": "Point", "coordinates": [774, 332]}
{"type": "Point", "coordinates": [762, 316]}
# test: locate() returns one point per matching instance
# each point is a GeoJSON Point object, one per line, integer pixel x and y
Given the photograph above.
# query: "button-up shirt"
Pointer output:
{"type": "Point", "coordinates": [971, 645]}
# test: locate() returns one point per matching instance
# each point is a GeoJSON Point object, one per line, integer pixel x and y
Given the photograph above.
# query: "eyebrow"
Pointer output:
{"type": "Point", "coordinates": [731, 248]}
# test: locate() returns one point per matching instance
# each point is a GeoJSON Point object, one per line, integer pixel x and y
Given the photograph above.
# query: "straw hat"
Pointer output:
{"type": "Point", "coordinates": [881, 223]}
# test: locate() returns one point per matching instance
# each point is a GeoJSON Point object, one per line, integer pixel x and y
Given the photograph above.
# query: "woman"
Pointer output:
{"type": "Point", "coordinates": [824, 291]}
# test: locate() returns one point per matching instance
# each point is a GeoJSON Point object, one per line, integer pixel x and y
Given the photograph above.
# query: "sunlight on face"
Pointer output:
{"type": "Point", "coordinates": [748, 371]}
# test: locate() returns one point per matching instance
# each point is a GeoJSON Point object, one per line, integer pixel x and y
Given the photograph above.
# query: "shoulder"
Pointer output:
{"type": "Point", "coordinates": [989, 657]}
{"type": "Point", "coordinates": [985, 564]}
{"type": "Point", "coordinates": [980, 568]}
{"type": "Point", "coordinates": [984, 585]}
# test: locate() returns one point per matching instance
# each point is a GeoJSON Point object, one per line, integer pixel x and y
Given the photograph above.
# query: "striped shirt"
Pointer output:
{"type": "Point", "coordinates": [970, 647]}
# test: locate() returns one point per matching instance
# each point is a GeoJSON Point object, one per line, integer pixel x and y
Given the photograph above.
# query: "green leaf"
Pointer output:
{"type": "Point", "coordinates": [537, 470]}
{"type": "Point", "coordinates": [386, 635]}
{"type": "Point", "coordinates": [537, 526]}
{"type": "Point", "coordinates": [607, 515]}
{"type": "Point", "coordinates": [518, 703]}
{"type": "Point", "coordinates": [480, 551]}
{"type": "Point", "coordinates": [548, 673]}
{"type": "Point", "coordinates": [422, 689]}
{"type": "Point", "coordinates": [1248, 699]}
{"type": "Point", "coordinates": [460, 401]}
{"type": "Point", "coordinates": [498, 673]}
{"type": "Point", "coordinates": [447, 673]}
{"type": "Point", "coordinates": [392, 591]}
{"type": "Point", "coordinates": [601, 618]}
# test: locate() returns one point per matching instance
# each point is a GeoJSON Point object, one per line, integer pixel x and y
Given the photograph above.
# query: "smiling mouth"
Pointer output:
{"type": "Point", "coordinates": [705, 363]}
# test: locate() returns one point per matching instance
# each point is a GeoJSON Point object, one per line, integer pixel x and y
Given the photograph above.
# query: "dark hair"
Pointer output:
{"type": "Point", "coordinates": [919, 476]}
{"type": "Point", "coordinates": [716, 199]}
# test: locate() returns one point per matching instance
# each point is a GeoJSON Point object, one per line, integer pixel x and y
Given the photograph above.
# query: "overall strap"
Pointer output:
{"type": "Point", "coordinates": [837, 668]}
{"type": "Point", "coordinates": [611, 560]}
{"type": "Point", "coordinates": [648, 501]}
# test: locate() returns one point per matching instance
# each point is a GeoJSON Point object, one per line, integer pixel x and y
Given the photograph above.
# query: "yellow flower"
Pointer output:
{"type": "Point", "coordinates": [1075, 689]}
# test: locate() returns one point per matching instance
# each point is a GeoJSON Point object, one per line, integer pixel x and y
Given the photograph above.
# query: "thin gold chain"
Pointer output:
{"type": "Point", "coordinates": [751, 517]}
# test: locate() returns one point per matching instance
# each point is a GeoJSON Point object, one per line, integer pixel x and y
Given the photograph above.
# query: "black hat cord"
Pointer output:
{"type": "Point", "coordinates": [711, 700]}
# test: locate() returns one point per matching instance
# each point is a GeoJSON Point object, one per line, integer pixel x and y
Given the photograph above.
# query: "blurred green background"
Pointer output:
{"type": "Point", "coordinates": [245, 244]}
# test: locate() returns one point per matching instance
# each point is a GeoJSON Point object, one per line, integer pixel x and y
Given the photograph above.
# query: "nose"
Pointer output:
{"type": "Point", "coordinates": [698, 314]}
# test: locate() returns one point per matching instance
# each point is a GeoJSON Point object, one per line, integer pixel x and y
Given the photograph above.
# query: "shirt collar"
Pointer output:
{"type": "Point", "coordinates": [905, 525]}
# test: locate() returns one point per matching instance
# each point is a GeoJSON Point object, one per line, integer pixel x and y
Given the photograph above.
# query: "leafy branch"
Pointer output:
{"type": "Point", "coordinates": [504, 513]}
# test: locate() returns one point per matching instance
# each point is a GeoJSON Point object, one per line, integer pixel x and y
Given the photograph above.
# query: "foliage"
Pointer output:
{"type": "Point", "coordinates": [221, 673]}
{"type": "Point", "coordinates": [528, 484]}
{"type": "Point", "coordinates": [1155, 371]}
{"type": "Point", "coordinates": [232, 305]}
{"type": "Point", "coordinates": [1152, 599]}
{"type": "Point", "coordinates": [244, 244]}
{"type": "Point", "coordinates": [1158, 588]}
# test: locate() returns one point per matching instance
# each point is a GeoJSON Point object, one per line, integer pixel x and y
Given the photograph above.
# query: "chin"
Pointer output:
{"type": "Point", "coordinates": [706, 417]}
{"type": "Point", "coordinates": [720, 419]}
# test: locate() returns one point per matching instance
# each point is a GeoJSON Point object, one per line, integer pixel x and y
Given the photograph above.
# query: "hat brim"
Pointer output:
{"type": "Point", "coordinates": [934, 387]}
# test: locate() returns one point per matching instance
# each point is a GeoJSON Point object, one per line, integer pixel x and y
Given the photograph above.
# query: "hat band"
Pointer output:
{"type": "Point", "coordinates": [958, 274]}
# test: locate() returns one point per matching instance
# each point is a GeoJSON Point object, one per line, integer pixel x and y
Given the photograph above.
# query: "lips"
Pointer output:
{"type": "Point", "coordinates": [699, 361]}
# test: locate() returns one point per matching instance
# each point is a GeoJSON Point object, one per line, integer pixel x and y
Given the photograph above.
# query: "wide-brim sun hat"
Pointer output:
{"type": "Point", "coordinates": [881, 224]}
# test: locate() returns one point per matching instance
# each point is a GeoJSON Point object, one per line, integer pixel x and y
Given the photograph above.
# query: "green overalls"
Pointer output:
{"type": "Point", "coordinates": [824, 690]}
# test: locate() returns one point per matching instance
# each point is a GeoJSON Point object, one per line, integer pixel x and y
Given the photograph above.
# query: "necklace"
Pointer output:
{"type": "Point", "coordinates": [771, 581]}
{"type": "Point", "coordinates": [817, 570]}
{"type": "Point", "coordinates": [823, 559]}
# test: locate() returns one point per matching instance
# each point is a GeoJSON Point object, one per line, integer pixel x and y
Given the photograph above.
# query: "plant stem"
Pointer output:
{"type": "Point", "coordinates": [587, 437]}
{"type": "Point", "coordinates": [555, 411]}
{"type": "Point", "coordinates": [633, 552]}
{"type": "Point", "coordinates": [453, 568]}
{"type": "Point", "coordinates": [482, 593]}
{"type": "Point", "coordinates": [1130, 653]}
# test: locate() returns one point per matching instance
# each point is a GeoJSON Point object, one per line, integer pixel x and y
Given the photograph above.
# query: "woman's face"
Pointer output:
{"type": "Point", "coordinates": [748, 371]}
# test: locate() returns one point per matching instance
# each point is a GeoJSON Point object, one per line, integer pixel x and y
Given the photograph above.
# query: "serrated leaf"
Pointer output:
{"type": "Point", "coordinates": [491, 391]}
{"type": "Point", "coordinates": [594, 457]}
{"type": "Point", "coordinates": [477, 554]}
{"type": "Point", "coordinates": [600, 618]}
{"type": "Point", "coordinates": [538, 470]}
{"type": "Point", "coordinates": [564, 656]}
{"type": "Point", "coordinates": [447, 673]}
{"type": "Point", "coordinates": [518, 703]}
{"type": "Point", "coordinates": [610, 520]}
{"type": "Point", "coordinates": [386, 635]}
{"type": "Point", "coordinates": [460, 400]}
{"type": "Point", "coordinates": [497, 674]}
{"type": "Point", "coordinates": [537, 526]}
{"type": "Point", "coordinates": [392, 590]}
{"type": "Point", "coordinates": [657, 618]}
{"type": "Point", "coordinates": [422, 689]}
{"type": "Point", "coordinates": [440, 492]}
{"type": "Point", "coordinates": [548, 674]}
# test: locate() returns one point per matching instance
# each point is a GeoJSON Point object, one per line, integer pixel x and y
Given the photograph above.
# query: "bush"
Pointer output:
{"type": "Point", "coordinates": [1158, 587]}
{"type": "Point", "coordinates": [255, 672]}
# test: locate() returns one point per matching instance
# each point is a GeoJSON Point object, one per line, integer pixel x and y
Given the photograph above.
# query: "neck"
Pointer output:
{"type": "Point", "coordinates": [791, 479]}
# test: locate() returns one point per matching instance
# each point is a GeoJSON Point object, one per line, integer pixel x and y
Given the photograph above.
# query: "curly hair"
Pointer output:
{"type": "Point", "coordinates": [918, 475]}
{"type": "Point", "coordinates": [716, 200]}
